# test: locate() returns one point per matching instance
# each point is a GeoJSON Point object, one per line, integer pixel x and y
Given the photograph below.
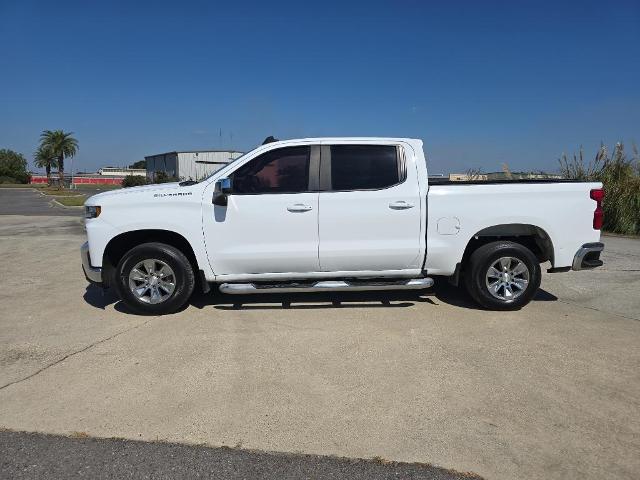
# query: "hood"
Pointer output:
{"type": "Point", "coordinates": [110, 194]}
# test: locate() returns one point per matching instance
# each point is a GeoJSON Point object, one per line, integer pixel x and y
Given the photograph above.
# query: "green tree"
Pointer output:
{"type": "Point", "coordinates": [62, 145]}
{"type": "Point", "coordinates": [13, 167]}
{"type": "Point", "coordinates": [43, 158]}
{"type": "Point", "coordinates": [139, 164]}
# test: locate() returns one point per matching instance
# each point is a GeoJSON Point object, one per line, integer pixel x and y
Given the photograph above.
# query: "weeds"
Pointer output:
{"type": "Point", "coordinates": [620, 176]}
{"type": "Point", "coordinates": [68, 201]}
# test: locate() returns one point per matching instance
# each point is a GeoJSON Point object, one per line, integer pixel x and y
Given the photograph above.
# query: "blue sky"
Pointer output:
{"type": "Point", "coordinates": [481, 82]}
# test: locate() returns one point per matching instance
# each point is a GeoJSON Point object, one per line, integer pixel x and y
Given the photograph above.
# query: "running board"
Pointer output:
{"type": "Point", "coordinates": [326, 286]}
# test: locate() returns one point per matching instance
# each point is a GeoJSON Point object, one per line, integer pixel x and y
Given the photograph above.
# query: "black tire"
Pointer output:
{"type": "Point", "coordinates": [475, 275]}
{"type": "Point", "coordinates": [184, 278]}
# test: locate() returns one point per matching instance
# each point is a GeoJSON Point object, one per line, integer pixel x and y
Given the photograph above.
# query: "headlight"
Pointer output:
{"type": "Point", "coordinates": [91, 211]}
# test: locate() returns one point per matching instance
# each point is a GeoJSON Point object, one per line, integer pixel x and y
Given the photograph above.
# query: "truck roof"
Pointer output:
{"type": "Point", "coordinates": [350, 139]}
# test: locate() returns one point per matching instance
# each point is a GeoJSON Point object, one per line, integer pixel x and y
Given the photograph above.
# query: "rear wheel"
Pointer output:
{"type": "Point", "coordinates": [502, 275]}
{"type": "Point", "coordinates": [154, 278]}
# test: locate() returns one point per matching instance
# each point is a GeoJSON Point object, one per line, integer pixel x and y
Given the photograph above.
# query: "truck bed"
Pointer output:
{"type": "Point", "coordinates": [446, 181]}
{"type": "Point", "coordinates": [559, 210]}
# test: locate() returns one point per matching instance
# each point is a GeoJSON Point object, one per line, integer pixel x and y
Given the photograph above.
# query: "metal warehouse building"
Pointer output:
{"type": "Point", "coordinates": [189, 165]}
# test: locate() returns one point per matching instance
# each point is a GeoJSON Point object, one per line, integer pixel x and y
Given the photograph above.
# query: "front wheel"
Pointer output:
{"type": "Point", "coordinates": [154, 278]}
{"type": "Point", "coordinates": [502, 275]}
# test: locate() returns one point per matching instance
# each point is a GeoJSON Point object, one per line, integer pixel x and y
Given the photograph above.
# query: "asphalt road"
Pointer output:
{"type": "Point", "coordinates": [28, 201]}
{"type": "Point", "coordinates": [92, 189]}
{"type": "Point", "coordinates": [548, 392]}
{"type": "Point", "coordinates": [42, 457]}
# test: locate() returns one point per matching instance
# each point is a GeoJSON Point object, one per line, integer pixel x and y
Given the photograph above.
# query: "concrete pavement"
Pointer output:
{"type": "Point", "coordinates": [614, 287]}
{"type": "Point", "coordinates": [551, 391]}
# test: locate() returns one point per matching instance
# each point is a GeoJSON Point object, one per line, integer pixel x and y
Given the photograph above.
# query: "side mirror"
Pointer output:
{"type": "Point", "coordinates": [225, 185]}
{"type": "Point", "coordinates": [222, 189]}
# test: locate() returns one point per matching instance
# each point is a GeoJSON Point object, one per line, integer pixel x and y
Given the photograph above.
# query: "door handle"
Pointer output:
{"type": "Point", "coordinates": [400, 205]}
{"type": "Point", "coordinates": [299, 207]}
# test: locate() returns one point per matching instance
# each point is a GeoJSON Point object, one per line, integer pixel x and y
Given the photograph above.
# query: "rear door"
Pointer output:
{"type": "Point", "coordinates": [270, 224]}
{"type": "Point", "coordinates": [369, 208]}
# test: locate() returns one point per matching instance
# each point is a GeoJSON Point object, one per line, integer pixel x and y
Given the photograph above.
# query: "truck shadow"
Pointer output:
{"type": "Point", "coordinates": [441, 293]}
{"type": "Point", "coordinates": [307, 301]}
{"type": "Point", "coordinates": [458, 296]}
{"type": "Point", "coordinates": [99, 298]}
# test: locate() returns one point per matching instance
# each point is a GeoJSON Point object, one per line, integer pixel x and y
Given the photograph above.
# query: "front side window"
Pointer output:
{"type": "Point", "coordinates": [364, 167]}
{"type": "Point", "coordinates": [284, 170]}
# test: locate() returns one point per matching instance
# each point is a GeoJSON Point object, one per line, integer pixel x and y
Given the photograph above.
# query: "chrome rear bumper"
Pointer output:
{"type": "Point", "coordinates": [92, 274]}
{"type": "Point", "coordinates": [588, 256]}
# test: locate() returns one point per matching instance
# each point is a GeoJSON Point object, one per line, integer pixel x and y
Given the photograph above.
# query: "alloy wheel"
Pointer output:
{"type": "Point", "coordinates": [152, 281]}
{"type": "Point", "coordinates": [507, 278]}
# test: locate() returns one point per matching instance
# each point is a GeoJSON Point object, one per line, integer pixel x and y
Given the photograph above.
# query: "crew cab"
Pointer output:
{"type": "Point", "coordinates": [331, 214]}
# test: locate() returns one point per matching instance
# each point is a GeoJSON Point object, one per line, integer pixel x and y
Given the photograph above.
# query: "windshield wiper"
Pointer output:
{"type": "Point", "coordinates": [186, 183]}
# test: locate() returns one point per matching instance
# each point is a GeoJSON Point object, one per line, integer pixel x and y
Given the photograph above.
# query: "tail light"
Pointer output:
{"type": "Point", "coordinates": [597, 194]}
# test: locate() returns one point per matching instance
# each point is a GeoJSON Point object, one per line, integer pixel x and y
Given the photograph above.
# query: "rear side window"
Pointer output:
{"type": "Point", "coordinates": [285, 170]}
{"type": "Point", "coordinates": [364, 167]}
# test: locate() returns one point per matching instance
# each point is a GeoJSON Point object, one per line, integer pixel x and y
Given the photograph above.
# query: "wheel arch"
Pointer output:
{"type": "Point", "coordinates": [119, 245]}
{"type": "Point", "coordinates": [533, 237]}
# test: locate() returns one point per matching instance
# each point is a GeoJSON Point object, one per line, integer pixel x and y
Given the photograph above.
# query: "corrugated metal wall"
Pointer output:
{"type": "Point", "coordinates": [197, 165]}
{"type": "Point", "coordinates": [166, 162]}
{"type": "Point", "coordinates": [189, 165]}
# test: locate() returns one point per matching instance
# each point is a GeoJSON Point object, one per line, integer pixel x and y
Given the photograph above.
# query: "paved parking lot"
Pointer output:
{"type": "Point", "coordinates": [551, 391]}
{"type": "Point", "coordinates": [28, 201]}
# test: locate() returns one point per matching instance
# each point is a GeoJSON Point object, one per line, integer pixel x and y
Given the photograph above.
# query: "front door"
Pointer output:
{"type": "Point", "coordinates": [270, 224]}
{"type": "Point", "coordinates": [369, 209]}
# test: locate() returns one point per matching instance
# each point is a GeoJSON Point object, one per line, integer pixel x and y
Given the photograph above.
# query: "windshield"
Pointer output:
{"type": "Point", "coordinates": [230, 163]}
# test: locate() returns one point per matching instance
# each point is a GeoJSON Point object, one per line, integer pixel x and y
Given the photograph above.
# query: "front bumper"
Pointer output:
{"type": "Point", "coordinates": [92, 274]}
{"type": "Point", "coordinates": [588, 256]}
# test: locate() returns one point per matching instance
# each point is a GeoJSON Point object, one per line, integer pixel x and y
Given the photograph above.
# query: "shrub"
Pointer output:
{"type": "Point", "coordinates": [163, 177]}
{"type": "Point", "coordinates": [134, 181]}
{"type": "Point", "coordinates": [6, 179]}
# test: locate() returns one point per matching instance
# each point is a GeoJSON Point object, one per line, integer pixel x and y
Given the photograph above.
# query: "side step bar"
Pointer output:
{"type": "Point", "coordinates": [326, 286]}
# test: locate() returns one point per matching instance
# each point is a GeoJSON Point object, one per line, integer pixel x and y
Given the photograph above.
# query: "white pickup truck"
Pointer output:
{"type": "Point", "coordinates": [331, 214]}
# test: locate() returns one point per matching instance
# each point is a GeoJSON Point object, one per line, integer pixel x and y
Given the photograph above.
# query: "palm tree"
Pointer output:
{"type": "Point", "coordinates": [62, 145]}
{"type": "Point", "coordinates": [45, 159]}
